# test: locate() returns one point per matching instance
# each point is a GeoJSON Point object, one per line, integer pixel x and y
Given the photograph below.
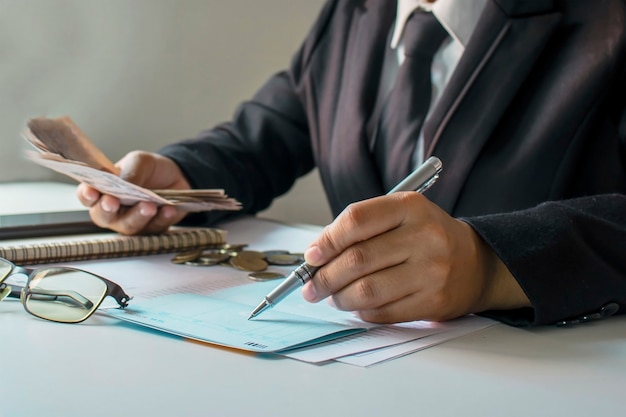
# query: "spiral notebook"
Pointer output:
{"type": "Point", "coordinates": [108, 245]}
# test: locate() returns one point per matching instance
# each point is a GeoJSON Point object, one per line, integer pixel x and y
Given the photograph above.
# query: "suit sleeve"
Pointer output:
{"type": "Point", "coordinates": [568, 256]}
{"type": "Point", "coordinates": [264, 149]}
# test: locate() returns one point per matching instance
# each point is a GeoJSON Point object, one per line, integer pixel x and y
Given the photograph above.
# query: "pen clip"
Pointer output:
{"type": "Point", "coordinates": [428, 183]}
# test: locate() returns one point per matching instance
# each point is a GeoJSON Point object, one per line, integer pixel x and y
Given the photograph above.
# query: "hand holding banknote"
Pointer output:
{"type": "Point", "coordinates": [142, 193]}
{"type": "Point", "coordinates": [151, 171]}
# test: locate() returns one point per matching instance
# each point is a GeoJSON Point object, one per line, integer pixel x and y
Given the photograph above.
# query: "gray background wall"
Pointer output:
{"type": "Point", "coordinates": [137, 74]}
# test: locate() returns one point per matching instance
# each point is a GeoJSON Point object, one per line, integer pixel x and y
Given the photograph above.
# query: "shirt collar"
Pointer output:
{"type": "Point", "coordinates": [458, 17]}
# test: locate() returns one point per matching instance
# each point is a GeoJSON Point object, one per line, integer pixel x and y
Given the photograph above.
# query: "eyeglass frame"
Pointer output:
{"type": "Point", "coordinates": [113, 289]}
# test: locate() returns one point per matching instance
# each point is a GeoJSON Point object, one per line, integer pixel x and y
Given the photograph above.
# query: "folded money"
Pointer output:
{"type": "Point", "coordinates": [64, 148]}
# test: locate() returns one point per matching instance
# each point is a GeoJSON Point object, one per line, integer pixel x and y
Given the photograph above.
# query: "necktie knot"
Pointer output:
{"type": "Point", "coordinates": [423, 34]}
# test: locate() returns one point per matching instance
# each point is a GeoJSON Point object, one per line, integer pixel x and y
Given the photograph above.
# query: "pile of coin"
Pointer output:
{"type": "Point", "coordinates": [236, 256]}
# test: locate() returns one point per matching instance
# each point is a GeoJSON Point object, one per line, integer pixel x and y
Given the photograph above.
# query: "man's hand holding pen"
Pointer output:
{"type": "Point", "coordinates": [399, 258]}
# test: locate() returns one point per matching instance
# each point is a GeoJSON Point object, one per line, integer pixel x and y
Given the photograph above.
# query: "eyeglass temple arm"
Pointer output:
{"type": "Point", "coordinates": [56, 295]}
{"type": "Point", "coordinates": [114, 291]}
{"type": "Point", "coordinates": [49, 295]}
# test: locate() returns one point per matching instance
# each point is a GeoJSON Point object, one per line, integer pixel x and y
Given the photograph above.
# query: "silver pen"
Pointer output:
{"type": "Point", "coordinates": [419, 180]}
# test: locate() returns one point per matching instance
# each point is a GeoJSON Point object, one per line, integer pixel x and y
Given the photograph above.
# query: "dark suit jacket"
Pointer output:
{"type": "Point", "coordinates": [530, 128]}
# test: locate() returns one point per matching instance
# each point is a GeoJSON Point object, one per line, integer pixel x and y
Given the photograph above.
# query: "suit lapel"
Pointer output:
{"type": "Point", "coordinates": [353, 169]}
{"type": "Point", "coordinates": [496, 61]}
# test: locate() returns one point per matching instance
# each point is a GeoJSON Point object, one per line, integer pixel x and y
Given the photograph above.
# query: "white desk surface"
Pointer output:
{"type": "Point", "coordinates": [106, 368]}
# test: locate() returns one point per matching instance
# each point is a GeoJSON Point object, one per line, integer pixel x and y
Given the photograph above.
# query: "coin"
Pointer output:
{"type": "Point", "coordinates": [265, 276]}
{"type": "Point", "coordinates": [250, 264]}
{"type": "Point", "coordinates": [187, 256]}
{"type": "Point", "coordinates": [233, 247]}
{"type": "Point", "coordinates": [214, 257]}
{"type": "Point", "coordinates": [283, 259]}
{"type": "Point", "coordinates": [200, 262]}
{"type": "Point", "coordinates": [249, 261]}
{"type": "Point", "coordinates": [234, 255]}
{"type": "Point", "coordinates": [275, 252]}
{"type": "Point", "coordinates": [251, 254]}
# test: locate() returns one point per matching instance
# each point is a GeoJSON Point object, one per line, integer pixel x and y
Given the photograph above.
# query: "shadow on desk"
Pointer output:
{"type": "Point", "coordinates": [547, 343]}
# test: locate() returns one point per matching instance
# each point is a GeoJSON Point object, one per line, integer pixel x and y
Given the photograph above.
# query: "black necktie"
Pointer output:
{"type": "Point", "coordinates": [409, 99]}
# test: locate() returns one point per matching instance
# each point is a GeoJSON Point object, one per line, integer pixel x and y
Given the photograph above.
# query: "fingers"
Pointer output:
{"type": "Point", "coordinates": [152, 171]}
{"type": "Point", "coordinates": [138, 167]}
{"type": "Point", "coordinates": [410, 308]}
{"type": "Point", "coordinates": [357, 261]}
{"type": "Point", "coordinates": [86, 195]}
{"type": "Point", "coordinates": [147, 170]}
{"type": "Point", "coordinates": [404, 292]}
{"type": "Point", "coordinates": [141, 218]}
{"type": "Point", "coordinates": [398, 258]}
{"type": "Point", "coordinates": [358, 222]}
{"type": "Point", "coordinates": [364, 238]}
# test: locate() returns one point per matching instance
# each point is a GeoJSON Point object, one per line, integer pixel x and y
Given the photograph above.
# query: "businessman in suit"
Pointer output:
{"type": "Point", "coordinates": [525, 106]}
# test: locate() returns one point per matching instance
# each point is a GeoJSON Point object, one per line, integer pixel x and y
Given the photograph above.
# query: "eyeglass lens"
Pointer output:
{"type": "Point", "coordinates": [47, 295]}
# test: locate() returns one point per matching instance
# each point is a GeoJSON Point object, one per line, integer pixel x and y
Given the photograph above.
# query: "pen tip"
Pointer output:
{"type": "Point", "coordinates": [259, 309]}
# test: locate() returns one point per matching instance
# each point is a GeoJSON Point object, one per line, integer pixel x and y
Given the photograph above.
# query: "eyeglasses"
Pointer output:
{"type": "Point", "coordinates": [61, 294]}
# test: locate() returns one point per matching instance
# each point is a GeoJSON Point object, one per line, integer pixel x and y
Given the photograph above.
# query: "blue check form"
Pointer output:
{"type": "Point", "coordinates": [222, 318]}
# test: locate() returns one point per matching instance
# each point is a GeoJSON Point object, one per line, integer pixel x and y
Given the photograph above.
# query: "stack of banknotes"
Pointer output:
{"type": "Point", "coordinates": [61, 146]}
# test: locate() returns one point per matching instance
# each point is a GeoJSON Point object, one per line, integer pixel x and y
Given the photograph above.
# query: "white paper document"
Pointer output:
{"type": "Point", "coordinates": [313, 333]}
{"type": "Point", "coordinates": [445, 331]}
